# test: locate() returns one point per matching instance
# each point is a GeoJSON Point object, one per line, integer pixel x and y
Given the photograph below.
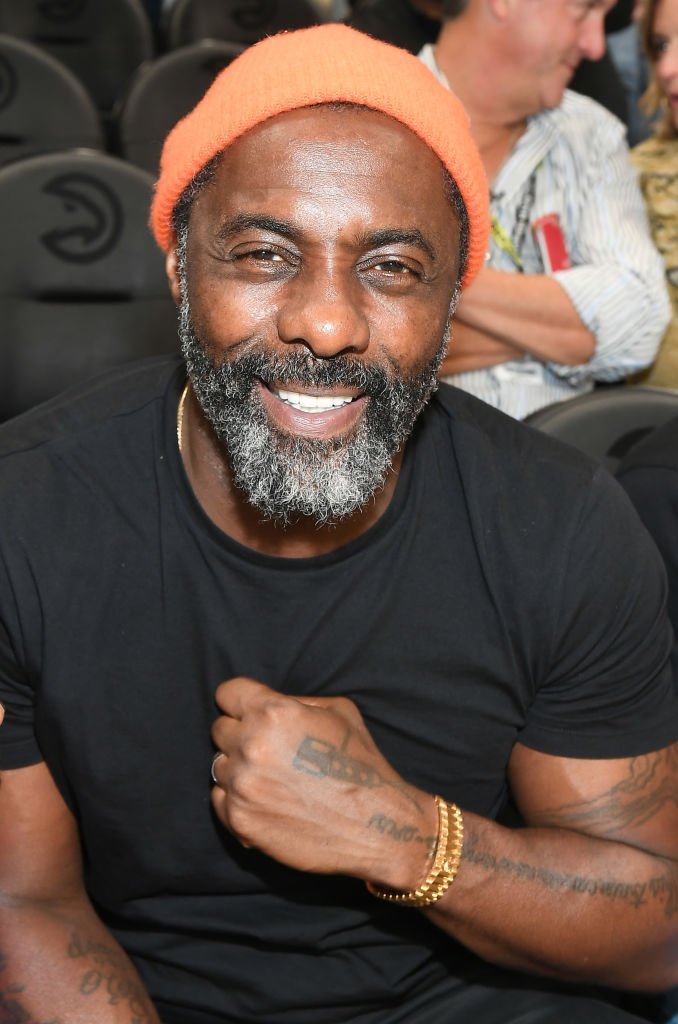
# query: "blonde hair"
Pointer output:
{"type": "Point", "coordinates": [653, 101]}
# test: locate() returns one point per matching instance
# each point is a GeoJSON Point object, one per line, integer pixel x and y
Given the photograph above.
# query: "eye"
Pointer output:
{"type": "Point", "coordinates": [658, 46]}
{"type": "Point", "coordinates": [393, 266]}
{"type": "Point", "coordinates": [583, 8]}
{"type": "Point", "coordinates": [263, 258]}
{"type": "Point", "coordinates": [261, 255]}
{"type": "Point", "coordinates": [392, 269]}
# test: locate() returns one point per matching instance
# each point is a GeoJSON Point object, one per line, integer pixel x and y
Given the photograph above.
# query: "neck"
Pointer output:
{"type": "Point", "coordinates": [210, 476]}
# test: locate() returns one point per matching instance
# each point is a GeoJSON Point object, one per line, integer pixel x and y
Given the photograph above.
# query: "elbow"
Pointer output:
{"type": "Point", "coordinates": [580, 350]}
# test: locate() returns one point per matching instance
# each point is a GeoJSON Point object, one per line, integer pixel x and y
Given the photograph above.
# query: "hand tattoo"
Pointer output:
{"type": "Point", "coordinates": [327, 761]}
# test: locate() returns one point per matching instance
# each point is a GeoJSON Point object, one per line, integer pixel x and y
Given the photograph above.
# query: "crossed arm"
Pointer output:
{"type": "Point", "coordinates": [588, 891]}
{"type": "Point", "coordinates": [504, 316]}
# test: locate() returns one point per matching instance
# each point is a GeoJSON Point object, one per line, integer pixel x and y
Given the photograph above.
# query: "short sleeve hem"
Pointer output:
{"type": "Point", "coordinates": [21, 754]}
{"type": "Point", "coordinates": [602, 746]}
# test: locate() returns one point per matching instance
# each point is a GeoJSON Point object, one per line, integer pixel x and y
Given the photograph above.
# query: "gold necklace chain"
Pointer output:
{"type": "Point", "coordinates": [180, 418]}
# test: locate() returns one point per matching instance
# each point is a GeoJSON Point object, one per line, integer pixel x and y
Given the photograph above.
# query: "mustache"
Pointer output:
{"type": "Point", "coordinates": [305, 369]}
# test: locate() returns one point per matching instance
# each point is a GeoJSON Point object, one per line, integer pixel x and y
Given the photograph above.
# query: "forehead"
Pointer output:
{"type": "Point", "coordinates": [666, 15]}
{"type": "Point", "coordinates": [336, 156]}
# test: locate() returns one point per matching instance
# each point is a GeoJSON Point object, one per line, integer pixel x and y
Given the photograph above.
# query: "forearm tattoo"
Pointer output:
{"type": "Point", "coordinates": [11, 1009]}
{"type": "Point", "coordinates": [660, 889]}
{"type": "Point", "coordinates": [651, 787]}
{"type": "Point", "coordinates": [108, 973]}
{"type": "Point", "coordinates": [400, 833]}
{"type": "Point", "coordinates": [105, 971]}
{"type": "Point", "coordinates": [326, 760]}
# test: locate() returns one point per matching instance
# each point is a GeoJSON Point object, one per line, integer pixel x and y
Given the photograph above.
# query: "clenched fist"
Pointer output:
{"type": "Point", "coordinates": [302, 780]}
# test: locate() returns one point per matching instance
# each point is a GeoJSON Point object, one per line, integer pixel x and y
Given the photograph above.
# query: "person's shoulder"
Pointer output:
{"type": "Point", "coordinates": [655, 154]}
{"type": "Point", "coordinates": [486, 440]}
{"type": "Point", "coordinates": [99, 401]}
{"type": "Point", "coordinates": [581, 115]}
{"type": "Point", "coordinates": [659, 450]}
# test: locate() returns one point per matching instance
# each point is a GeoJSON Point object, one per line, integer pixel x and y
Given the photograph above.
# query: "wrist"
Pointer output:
{"type": "Point", "coordinates": [406, 842]}
{"type": "Point", "coordinates": [443, 869]}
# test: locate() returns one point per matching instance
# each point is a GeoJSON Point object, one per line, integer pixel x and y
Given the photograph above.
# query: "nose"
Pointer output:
{"type": "Point", "coordinates": [592, 39]}
{"type": "Point", "coordinates": [323, 309]}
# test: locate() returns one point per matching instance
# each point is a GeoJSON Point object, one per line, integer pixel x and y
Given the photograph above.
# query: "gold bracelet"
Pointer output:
{"type": "Point", "coordinates": [445, 862]}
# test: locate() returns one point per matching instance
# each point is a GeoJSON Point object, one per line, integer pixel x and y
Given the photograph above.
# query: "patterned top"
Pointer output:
{"type": "Point", "coordinates": [657, 161]}
{"type": "Point", "coordinates": [574, 161]}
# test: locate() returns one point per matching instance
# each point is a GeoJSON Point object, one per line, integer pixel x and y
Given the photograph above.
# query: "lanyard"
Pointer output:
{"type": "Point", "coordinates": [503, 240]}
{"type": "Point", "coordinates": [501, 236]}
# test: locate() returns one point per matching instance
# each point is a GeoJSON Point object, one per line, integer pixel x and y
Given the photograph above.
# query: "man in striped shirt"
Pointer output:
{"type": "Point", "coordinates": [572, 291]}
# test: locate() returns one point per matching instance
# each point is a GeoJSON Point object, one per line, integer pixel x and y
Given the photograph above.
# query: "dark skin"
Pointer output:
{"type": "Point", "coordinates": [588, 890]}
{"type": "Point", "coordinates": [325, 280]}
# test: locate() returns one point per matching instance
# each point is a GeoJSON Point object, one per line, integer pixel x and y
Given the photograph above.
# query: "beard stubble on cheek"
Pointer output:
{"type": "Point", "coordinates": [287, 477]}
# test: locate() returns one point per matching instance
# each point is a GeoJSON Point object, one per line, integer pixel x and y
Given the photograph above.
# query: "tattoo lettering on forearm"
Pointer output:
{"type": "Point", "coordinates": [662, 888]}
{"type": "Point", "coordinates": [651, 785]}
{"type": "Point", "coordinates": [11, 1009]}
{"type": "Point", "coordinates": [325, 760]}
{"type": "Point", "coordinates": [110, 976]}
{"type": "Point", "coordinates": [401, 834]}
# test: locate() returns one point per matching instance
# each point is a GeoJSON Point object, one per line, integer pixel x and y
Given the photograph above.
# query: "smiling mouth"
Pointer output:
{"type": "Point", "coordinates": [304, 402]}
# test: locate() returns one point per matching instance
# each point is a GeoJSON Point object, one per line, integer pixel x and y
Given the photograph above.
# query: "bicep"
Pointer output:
{"type": "Point", "coordinates": [40, 858]}
{"type": "Point", "coordinates": [628, 800]}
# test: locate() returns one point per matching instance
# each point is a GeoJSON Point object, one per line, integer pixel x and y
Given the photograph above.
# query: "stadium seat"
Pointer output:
{"type": "Point", "coordinates": [607, 422]}
{"type": "Point", "coordinates": [43, 106]}
{"type": "Point", "coordinates": [162, 92]}
{"type": "Point", "coordinates": [102, 41]}
{"type": "Point", "coordinates": [236, 21]}
{"type": "Point", "coordinates": [82, 283]}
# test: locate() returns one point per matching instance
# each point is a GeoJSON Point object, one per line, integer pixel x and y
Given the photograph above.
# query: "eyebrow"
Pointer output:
{"type": "Point", "coordinates": [402, 236]}
{"type": "Point", "coordinates": [260, 222]}
{"type": "Point", "coordinates": [371, 240]}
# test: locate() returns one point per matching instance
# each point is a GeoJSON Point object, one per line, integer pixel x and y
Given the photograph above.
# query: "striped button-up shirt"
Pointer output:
{"type": "Point", "coordinates": [573, 161]}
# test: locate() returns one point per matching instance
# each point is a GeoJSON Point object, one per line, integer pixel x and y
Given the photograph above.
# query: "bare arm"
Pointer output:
{"type": "Point", "coordinates": [471, 349]}
{"type": "Point", "coordinates": [58, 963]}
{"type": "Point", "coordinates": [531, 313]}
{"type": "Point", "coordinates": [588, 892]}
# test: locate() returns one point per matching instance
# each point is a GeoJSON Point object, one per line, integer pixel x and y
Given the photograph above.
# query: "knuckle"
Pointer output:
{"type": "Point", "coordinates": [253, 748]}
{"type": "Point", "coordinates": [347, 707]}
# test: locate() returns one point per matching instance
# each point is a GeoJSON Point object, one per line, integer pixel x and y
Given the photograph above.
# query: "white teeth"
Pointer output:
{"type": "Point", "coordinates": [312, 403]}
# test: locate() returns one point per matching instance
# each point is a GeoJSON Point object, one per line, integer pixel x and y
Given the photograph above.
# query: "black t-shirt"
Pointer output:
{"type": "Point", "coordinates": [507, 594]}
{"type": "Point", "coordinates": [649, 474]}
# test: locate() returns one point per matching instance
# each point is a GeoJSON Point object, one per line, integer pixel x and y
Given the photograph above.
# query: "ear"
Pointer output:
{"type": "Point", "coordinates": [499, 10]}
{"type": "Point", "coordinates": [172, 271]}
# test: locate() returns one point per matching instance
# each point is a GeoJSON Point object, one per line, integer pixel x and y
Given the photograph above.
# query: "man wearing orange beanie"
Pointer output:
{"type": "Point", "coordinates": [282, 625]}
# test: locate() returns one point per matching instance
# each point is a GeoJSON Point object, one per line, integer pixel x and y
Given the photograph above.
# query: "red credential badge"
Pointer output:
{"type": "Point", "coordinates": [549, 237]}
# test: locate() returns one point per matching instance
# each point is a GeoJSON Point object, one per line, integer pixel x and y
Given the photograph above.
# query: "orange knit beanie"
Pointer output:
{"type": "Point", "coordinates": [323, 64]}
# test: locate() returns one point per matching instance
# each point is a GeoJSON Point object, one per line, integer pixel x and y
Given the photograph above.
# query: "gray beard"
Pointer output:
{"type": "Point", "coordinates": [287, 477]}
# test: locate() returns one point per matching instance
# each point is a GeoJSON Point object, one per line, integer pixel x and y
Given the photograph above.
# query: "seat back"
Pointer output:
{"type": "Point", "coordinates": [101, 41]}
{"type": "Point", "coordinates": [607, 422]}
{"type": "Point", "coordinates": [43, 106]}
{"type": "Point", "coordinates": [82, 283]}
{"type": "Point", "coordinates": [165, 90]}
{"type": "Point", "coordinates": [236, 21]}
